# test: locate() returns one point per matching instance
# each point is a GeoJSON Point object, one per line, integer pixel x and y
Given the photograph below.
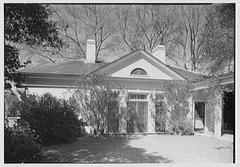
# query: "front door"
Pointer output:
{"type": "Point", "coordinates": [199, 116]}
{"type": "Point", "coordinates": [137, 121]}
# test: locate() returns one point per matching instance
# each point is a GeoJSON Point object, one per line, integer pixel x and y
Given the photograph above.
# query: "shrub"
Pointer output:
{"type": "Point", "coordinates": [52, 120]}
{"type": "Point", "coordinates": [98, 104]}
{"type": "Point", "coordinates": [183, 128]}
{"type": "Point", "coordinates": [177, 94]}
{"type": "Point", "coordinates": [19, 146]}
{"type": "Point", "coordinates": [160, 116]}
{"type": "Point", "coordinates": [10, 104]}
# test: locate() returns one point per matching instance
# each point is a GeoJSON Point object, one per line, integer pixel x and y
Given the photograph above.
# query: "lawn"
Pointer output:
{"type": "Point", "coordinates": [142, 149]}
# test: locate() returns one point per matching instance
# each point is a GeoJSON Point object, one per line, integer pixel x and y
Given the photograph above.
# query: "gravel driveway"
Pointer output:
{"type": "Point", "coordinates": [143, 149]}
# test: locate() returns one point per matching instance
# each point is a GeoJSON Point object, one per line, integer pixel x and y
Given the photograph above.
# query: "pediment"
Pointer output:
{"type": "Point", "coordinates": [155, 69]}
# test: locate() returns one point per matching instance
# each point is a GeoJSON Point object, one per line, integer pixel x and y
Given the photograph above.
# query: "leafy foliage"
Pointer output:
{"type": "Point", "coordinates": [113, 114]}
{"type": "Point", "coordinates": [10, 104]}
{"type": "Point", "coordinates": [212, 96]}
{"type": "Point", "coordinates": [28, 23]}
{"type": "Point", "coordinates": [220, 38]}
{"type": "Point", "coordinates": [19, 146]}
{"type": "Point", "coordinates": [226, 15]}
{"type": "Point", "coordinates": [97, 103]}
{"type": "Point", "coordinates": [161, 116]}
{"type": "Point", "coordinates": [212, 91]}
{"type": "Point", "coordinates": [177, 96]}
{"type": "Point", "coordinates": [52, 120]}
{"type": "Point", "coordinates": [12, 64]}
{"type": "Point", "coordinates": [25, 24]}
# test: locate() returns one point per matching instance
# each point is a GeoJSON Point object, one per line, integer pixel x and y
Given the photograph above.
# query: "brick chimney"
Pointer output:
{"type": "Point", "coordinates": [90, 52]}
{"type": "Point", "coordinates": [160, 53]}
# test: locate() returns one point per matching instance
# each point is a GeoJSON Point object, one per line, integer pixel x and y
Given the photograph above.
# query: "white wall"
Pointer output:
{"type": "Point", "coordinates": [62, 93]}
{"type": "Point", "coordinates": [152, 71]}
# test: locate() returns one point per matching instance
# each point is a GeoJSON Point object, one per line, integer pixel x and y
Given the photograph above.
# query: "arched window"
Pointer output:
{"type": "Point", "coordinates": [138, 71]}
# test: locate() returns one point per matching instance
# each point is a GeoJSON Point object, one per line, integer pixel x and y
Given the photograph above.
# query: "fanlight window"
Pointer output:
{"type": "Point", "coordinates": [138, 71]}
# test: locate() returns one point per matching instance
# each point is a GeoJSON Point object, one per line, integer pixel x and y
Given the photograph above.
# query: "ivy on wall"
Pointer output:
{"type": "Point", "coordinates": [171, 113]}
{"type": "Point", "coordinates": [177, 94]}
{"type": "Point", "coordinates": [213, 97]}
{"type": "Point", "coordinates": [174, 109]}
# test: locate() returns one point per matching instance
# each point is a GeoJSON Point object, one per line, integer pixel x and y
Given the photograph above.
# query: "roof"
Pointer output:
{"type": "Point", "coordinates": [225, 79]}
{"type": "Point", "coordinates": [189, 75]}
{"type": "Point", "coordinates": [70, 67]}
{"type": "Point", "coordinates": [82, 68]}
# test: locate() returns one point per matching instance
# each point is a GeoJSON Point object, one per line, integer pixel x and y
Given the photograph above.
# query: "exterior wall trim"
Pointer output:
{"type": "Point", "coordinates": [46, 86]}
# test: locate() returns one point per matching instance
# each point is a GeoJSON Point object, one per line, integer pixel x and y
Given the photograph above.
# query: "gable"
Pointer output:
{"type": "Point", "coordinates": [139, 59]}
{"type": "Point", "coordinates": [152, 71]}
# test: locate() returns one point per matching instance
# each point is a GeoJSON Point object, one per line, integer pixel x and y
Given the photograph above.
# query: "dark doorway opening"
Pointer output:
{"type": "Point", "coordinates": [199, 116]}
{"type": "Point", "coordinates": [228, 126]}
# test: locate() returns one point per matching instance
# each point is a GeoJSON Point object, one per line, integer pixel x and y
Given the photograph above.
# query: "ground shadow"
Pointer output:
{"type": "Point", "coordinates": [223, 148]}
{"type": "Point", "coordinates": [101, 150]}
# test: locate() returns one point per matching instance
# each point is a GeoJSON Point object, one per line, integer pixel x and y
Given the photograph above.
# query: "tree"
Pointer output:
{"type": "Point", "coordinates": [145, 26]}
{"type": "Point", "coordinates": [129, 27]}
{"type": "Point", "coordinates": [11, 65]}
{"type": "Point", "coordinates": [25, 24]}
{"type": "Point", "coordinates": [80, 22]}
{"type": "Point", "coordinates": [157, 23]}
{"type": "Point", "coordinates": [188, 40]}
{"type": "Point", "coordinates": [220, 38]}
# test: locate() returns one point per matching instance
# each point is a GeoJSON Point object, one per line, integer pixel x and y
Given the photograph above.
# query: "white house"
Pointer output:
{"type": "Point", "coordinates": [141, 74]}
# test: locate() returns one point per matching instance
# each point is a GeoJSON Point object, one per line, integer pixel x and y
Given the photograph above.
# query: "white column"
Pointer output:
{"type": "Point", "coordinates": [190, 115]}
{"type": "Point", "coordinates": [218, 116]}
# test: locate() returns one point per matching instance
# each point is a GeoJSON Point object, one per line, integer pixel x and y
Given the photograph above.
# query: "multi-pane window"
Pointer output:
{"type": "Point", "coordinates": [138, 116]}
{"type": "Point", "coordinates": [137, 111]}
{"type": "Point", "coordinates": [137, 96]}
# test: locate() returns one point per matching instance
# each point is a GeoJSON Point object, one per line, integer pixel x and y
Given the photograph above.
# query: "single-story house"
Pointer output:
{"type": "Point", "coordinates": [141, 74]}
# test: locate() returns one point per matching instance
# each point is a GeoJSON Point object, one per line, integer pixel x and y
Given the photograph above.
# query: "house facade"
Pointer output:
{"type": "Point", "coordinates": [140, 75]}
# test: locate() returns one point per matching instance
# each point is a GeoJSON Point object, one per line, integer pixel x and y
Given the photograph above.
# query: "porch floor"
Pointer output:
{"type": "Point", "coordinates": [143, 149]}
